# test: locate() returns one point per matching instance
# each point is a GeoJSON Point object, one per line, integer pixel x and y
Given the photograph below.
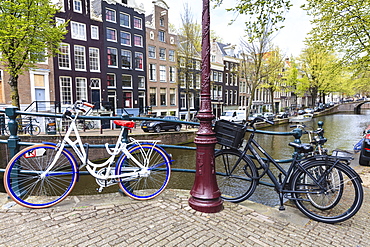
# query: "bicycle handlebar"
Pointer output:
{"type": "Point", "coordinates": [262, 119]}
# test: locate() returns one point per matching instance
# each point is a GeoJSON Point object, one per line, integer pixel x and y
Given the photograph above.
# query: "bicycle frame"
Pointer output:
{"type": "Point", "coordinates": [91, 167]}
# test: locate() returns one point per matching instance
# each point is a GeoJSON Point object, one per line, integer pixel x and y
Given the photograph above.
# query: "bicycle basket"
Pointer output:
{"type": "Point", "coordinates": [229, 134]}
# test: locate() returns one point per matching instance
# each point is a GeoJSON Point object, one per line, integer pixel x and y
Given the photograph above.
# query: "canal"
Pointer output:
{"type": "Point", "coordinates": [342, 130]}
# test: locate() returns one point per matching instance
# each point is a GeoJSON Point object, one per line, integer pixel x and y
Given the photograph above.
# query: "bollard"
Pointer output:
{"type": "Point", "coordinates": [297, 133]}
{"type": "Point", "coordinates": [13, 141]}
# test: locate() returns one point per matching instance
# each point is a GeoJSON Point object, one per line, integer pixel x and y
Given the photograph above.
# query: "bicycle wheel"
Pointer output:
{"type": "Point", "coordinates": [148, 182]}
{"type": "Point", "coordinates": [336, 189]}
{"type": "Point", "coordinates": [33, 130]}
{"type": "Point", "coordinates": [235, 180]}
{"type": "Point", "coordinates": [24, 183]}
{"type": "Point", "coordinates": [334, 180]}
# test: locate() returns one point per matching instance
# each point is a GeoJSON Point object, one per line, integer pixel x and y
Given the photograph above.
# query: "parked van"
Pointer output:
{"type": "Point", "coordinates": [237, 116]}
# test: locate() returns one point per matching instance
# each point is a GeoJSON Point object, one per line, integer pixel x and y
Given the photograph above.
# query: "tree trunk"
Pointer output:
{"type": "Point", "coordinates": [14, 95]}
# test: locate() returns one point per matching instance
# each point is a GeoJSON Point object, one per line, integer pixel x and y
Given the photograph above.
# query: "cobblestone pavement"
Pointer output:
{"type": "Point", "coordinates": [116, 220]}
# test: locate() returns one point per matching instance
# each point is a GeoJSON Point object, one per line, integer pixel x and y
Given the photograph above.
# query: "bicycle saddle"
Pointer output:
{"type": "Point", "coordinates": [303, 148]}
{"type": "Point", "coordinates": [124, 123]}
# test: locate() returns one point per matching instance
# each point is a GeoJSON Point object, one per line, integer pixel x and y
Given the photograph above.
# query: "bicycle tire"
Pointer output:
{"type": "Point", "coordinates": [349, 202]}
{"type": "Point", "coordinates": [33, 130]}
{"type": "Point", "coordinates": [24, 184]}
{"type": "Point", "coordinates": [145, 184]}
{"type": "Point", "coordinates": [234, 183]}
{"type": "Point", "coordinates": [335, 180]}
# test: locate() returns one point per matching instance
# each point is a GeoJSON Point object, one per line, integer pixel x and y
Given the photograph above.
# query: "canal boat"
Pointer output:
{"type": "Point", "coordinates": [301, 118]}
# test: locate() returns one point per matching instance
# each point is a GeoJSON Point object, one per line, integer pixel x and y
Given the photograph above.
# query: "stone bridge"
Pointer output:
{"type": "Point", "coordinates": [354, 106]}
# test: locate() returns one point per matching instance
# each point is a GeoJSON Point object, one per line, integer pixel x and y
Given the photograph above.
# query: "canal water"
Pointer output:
{"type": "Point", "coordinates": [342, 131]}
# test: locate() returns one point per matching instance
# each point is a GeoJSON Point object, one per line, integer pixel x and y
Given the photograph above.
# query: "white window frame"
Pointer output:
{"type": "Point", "coordinates": [78, 30]}
{"type": "Point", "coordinates": [115, 34]}
{"type": "Point", "coordinates": [65, 56]}
{"type": "Point", "coordinates": [66, 96]}
{"type": "Point", "coordinates": [77, 6]}
{"type": "Point", "coordinates": [81, 88]}
{"type": "Point", "coordinates": [162, 73]}
{"type": "Point", "coordinates": [80, 58]}
{"type": "Point", "coordinates": [129, 21]}
{"type": "Point", "coordinates": [94, 59]}
{"type": "Point", "coordinates": [94, 32]}
{"type": "Point", "coordinates": [114, 20]}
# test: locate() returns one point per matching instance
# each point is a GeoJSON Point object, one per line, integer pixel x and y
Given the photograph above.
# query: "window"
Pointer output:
{"type": "Point", "coordinates": [64, 57]}
{"type": "Point", "coordinates": [183, 101]}
{"type": "Point", "coordinates": [182, 80]}
{"type": "Point", "coordinates": [127, 99]}
{"type": "Point", "coordinates": [172, 74]}
{"type": "Point", "coordinates": [78, 30]}
{"type": "Point", "coordinates": [162, 96]}
{"type": "Point", "coordinates": [197, 65]}
{"type": "Point", "coordinates": [182, 62]}
{"type": "Point", "coordinates": [95, 32]}
{"type": "Point", "coordinates": [110, 15]}
{"type": "Point", "coordinates": [151, 51]}
{"type": "Point", "coordinates": [112, 56]}
{"type": "Point", "coordinates": [137, 23]}
{"type": "Point", "coordinates": [219, 76]}
{"type": "Point", "coordinates": [125, 38]}
{"type": "Point", "coordinates": [191, 100]}
{"type": "Point", "coordinates": [161, 22]}
{"type": "Point", "coordinates": [172, 96]}
{"type": "Point", "coordinates": [65, 90]}
{"type": "Point", "coordinates": [162, 73]}
{"type": "Point", "coordinates": [153, 96]}
{"type": "Point", "coordinates": [215, 76]}
{"type": "Point", "coordinates": [94, 59]}
{"type": "Point", "coordinates": [95, 83]}
{"type": "Point", "coordinates": [80, 62]}
{"type": "Point", "coordinates": [197, 81]}
{"type": "Point", "coordinates": [152, 72]}
{"type": "Point", "coordinates": [59, 21]}
{"type": "Point", "coordinates": [111, 34]}
{"type": "Point", "coordinates": [126, 59]}
{"type": "Point", "coordinates": [111, 80]}
{"type": "Point", "coordinates": [77, 6]}
{"type": "Point", "coordinates": [141, 83]}
{"type": "Point", "coordinates": [81, 88]}
{"type": "Point", "coordinates": [138, 40]}
{"type": "Point", "coordinates": [124, 20]}
{"type": "Point", "coordinates": [171, 55]}
{"type": "Point", "coordinates": [162, 53]}
{"type": "Point", "coordinates": [161, 36]}
{"type": "Point", "coordinates": [138, 60]}
{"type": "Point", "coordinates": [126, 81]}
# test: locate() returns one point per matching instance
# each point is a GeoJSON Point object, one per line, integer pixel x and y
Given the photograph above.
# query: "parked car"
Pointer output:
{"type": "Point", "coordinates": [157, 125]}
{"type": "Point", "coordinates": [282, 115]}
{"type": "Point", "coordinates": [365, 149]}
{"type": "Point", "coordinates": [309, 110]}
{"type": "Point", "coordinates": [301, 112]}
{"type": "Point", "coordinates": [253, 116]}
{"type": "Point", "coordinates": [237, 116]}
{"type": "Point", "coordinates": [269, 116]}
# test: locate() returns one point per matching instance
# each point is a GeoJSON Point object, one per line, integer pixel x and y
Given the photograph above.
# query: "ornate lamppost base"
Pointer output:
{"type": "Point", "coordinates": [206, 206]}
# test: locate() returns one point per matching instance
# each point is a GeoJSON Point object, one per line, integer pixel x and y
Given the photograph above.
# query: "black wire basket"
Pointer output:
{"type": "Point", "coordinates": [229, 134]}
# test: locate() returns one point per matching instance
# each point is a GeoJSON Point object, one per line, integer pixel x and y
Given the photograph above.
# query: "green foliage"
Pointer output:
{"type": "Point", "coordinates": [27, 34]}
{"type": "Point", "coordinates": [263, 15]}
{"type": "Point", "coordinates": [344, 25]}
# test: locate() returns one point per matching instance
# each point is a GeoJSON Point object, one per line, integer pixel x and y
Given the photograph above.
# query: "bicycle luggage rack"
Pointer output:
{"type": "Point", "coordinates": [229, 134]}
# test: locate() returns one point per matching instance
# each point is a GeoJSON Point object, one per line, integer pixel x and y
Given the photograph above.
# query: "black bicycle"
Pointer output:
{"type": "Point", "coordinates": [26, 126]}
{"type": "Point", "coordinates": [323, 187]}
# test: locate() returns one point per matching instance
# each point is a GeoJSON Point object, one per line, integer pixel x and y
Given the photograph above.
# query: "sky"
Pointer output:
{"type": "Point", "coordinates": [289, 39]}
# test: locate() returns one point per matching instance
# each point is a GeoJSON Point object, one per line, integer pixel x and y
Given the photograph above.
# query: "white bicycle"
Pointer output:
{"type": "Point", "coordinates": [44, 174]}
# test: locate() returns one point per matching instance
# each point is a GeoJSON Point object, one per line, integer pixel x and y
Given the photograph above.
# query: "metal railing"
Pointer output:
{"type": "Point", "coordinates": [13, 143]}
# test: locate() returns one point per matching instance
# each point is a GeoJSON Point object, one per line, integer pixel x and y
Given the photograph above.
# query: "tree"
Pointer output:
{"type": "Point", "coordinates": [252, 63]}
{"type": "Point", "coordinates": [27, 34]}
{"type": "Point", "coordinates": [273, 69]}
{"type": "Point", "coordinates": [263, 15]}
{"type": "Point", "coordinates": [344, 25]}
{"type": "Point", "coordinates": [321, 69]}
{"type": "Point", "coordinates": [190, 42]}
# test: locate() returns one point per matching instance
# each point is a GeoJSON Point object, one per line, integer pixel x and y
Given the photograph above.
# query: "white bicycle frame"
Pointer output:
{"type": "Point", "coordinates": [77, 146]}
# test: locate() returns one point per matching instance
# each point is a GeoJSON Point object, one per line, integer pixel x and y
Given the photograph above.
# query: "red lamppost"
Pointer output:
{"type": "Point", "coordinates": [205, 195]}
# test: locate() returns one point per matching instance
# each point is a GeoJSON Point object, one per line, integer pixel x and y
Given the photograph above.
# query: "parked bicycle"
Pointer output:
{"type": "Point", "coordinates": [323, 187]}
{"type": "Point", "coordinates": [26, 126]}
{"type": "Point", "coordinates": [43, 175]}
{"type": "Point", "coordinates": [86, 124]}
